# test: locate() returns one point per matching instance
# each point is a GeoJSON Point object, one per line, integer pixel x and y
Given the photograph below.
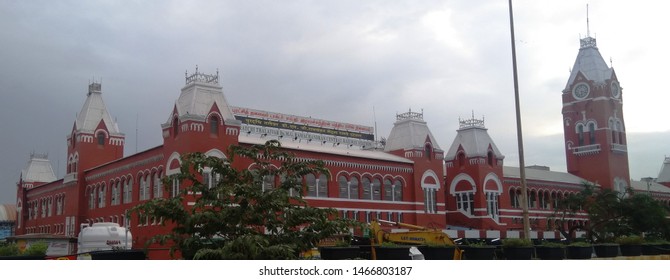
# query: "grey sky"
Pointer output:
{"type": "Point", "coordinates": [348, 61]}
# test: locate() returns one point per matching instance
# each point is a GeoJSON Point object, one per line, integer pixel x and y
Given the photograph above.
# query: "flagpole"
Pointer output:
{"type": "Point", "coordinates": [522, 165]}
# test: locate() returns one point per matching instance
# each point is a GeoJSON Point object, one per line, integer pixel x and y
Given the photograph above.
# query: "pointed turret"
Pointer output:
{"type": "Point", "coordinates": [473, 140]}
{"type": "Point", "coordinates": [664, 174]}
{"type": "Point", "coordinates": [95, 138]}
{"type": "Point", "coordinates": [201, 92]}
{"type": "Point", "coordinates": [590, 64]}
{"type": "Point", "coordinates": [410, 132]}
{"type": "Point", "coordinates": [94, 112]}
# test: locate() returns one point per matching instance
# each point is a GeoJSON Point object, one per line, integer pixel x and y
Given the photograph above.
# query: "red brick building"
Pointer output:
{"type": "Point", "coordinates": [467, 190]}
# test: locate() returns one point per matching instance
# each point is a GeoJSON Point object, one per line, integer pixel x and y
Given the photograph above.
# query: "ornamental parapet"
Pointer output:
{"type": "Point", "coordinates": [586, 150]}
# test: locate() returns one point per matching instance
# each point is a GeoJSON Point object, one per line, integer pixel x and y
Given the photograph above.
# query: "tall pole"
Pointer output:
{"type": "Point", "coordinates": [522, 165]}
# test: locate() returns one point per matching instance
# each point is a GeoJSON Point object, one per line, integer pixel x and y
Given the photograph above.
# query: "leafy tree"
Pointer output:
{"type": "Point", "coordinates": [612, 214]}
{"type": "Point", "coordinates": [239, 217]}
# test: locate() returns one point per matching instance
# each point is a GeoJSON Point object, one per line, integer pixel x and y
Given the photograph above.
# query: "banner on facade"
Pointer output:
{"type": "Point", "coordinates": [303, 124]}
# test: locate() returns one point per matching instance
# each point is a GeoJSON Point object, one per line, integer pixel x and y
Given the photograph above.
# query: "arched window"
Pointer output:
{"type": "Point", "coordinates": [615, 135]}
{"type": "Point", "coordinates": [158, 185]}
{"type": "Point", "coordinates": [128, 191]}
{"type": "Point", "coordinates": [580, 134]}
{"type": "Point", "coordinates": [376, 189]}
{"type": "Point", "coordinates": [310, 181]}
{"type": "Point", "coordinates": [175, 127]}
{"type": "Point", "coordinates": [353, 188]}
{"type": "Point", "coordinates": [513, 198]}
{"type": "Point", "coordinates": [322, 186]}
{"type": "Point", "coordinates": [532, 197]}
{"type": "Point", "coordinates": [101, 138]}
{"type": "Point", "coordinates": [592, 133]}
{"type": "Point", "coordinates": [101, 196]}
{"type": "Point", "coordinates": [367, 191]}
{"type": "Point", "coordinates": [214, 125]}
{"type": "Point", "coordinates": [397, 190]}
{"type": "Point", "coordinates": [428, 151]}
{"type": "Point", "coordinates": [490, 158]}
{"type": "Point", "coordinates": [388, 190]}
{"type": "Point", "coordinates": [344, 187]}
{"type": "Point", "coordinates": [620, 131]}
{"type": "Point", "coordinates": [461, 159]}
{"type": "Point", "coordinates": [115, 192]}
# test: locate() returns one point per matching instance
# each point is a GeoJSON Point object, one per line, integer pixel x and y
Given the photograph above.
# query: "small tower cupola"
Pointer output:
{"type": "Point", "coordinates": [410, 133]}
{"type": "Point", "coordinates": [201, 101]}
{"type": "Point", "coordinates": [472, 140]}
{"type": "Point", "coordinates": [38, 170]}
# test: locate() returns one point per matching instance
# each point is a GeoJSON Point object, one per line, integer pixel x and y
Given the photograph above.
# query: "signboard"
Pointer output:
{"type": "Point", "coordinates": [303, 124]}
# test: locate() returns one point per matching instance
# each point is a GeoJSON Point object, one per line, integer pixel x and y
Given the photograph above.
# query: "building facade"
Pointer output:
{"type": "Point", "coordinates": [467, 191]}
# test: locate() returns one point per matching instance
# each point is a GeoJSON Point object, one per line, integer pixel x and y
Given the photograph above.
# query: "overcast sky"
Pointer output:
{"type": "Point", "coordinates": [349, 61]}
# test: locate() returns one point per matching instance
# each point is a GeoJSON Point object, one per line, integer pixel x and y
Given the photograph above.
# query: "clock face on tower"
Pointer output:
{"type": "Point", "coordinates": [581, 91]}
{"type": "Point", "coordinates": [616, 89]}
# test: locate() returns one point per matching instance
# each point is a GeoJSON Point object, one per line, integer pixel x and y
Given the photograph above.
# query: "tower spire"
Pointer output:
{"type": "Point", "coordinates": [588, 31]}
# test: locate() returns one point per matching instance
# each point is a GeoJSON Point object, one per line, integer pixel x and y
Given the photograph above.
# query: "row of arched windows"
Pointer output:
{"type": "Point", "coordinates": [47, 229]}
{"type": "Point", "coordinates": [369, 188]}
{"type": "Point", "coordinates": [540, 199]}
{"type": "Point", "coordinates": [44, 207]}
{"type": "Point", "coordinates": [591, 126]}
{"type": "Point", "coordinates": [121, 190]}
{"type": "Point", "coordinates": [352, 187]}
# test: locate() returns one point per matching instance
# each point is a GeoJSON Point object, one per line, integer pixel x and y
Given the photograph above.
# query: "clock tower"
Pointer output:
{"type": "Point", "coordinates": [594, 130]}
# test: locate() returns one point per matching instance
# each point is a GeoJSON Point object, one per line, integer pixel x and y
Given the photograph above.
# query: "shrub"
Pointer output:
{"type": "Point", "coordinates": [629, 240]}
{"type": "Point", "coordinates": [517, 242]}
{"type": "Point", "coordinates": [38, 248]}
{"type": "Point", "coordinates": [480, 244]}
{"type": "Point", "coordinates": [550, 244]}
{"type": "Point", "coordinates": [579, 244]}
{"type": "Point", "coordinates": [9, 249]}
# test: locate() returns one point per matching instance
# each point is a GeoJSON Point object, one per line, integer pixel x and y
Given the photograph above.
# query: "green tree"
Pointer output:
{"type": "Point", "coordinates": [612, 214]}
{"type": "Point", "coordinates": [239, 217]}
{"type": "Point", "coordinates": [645, 215]}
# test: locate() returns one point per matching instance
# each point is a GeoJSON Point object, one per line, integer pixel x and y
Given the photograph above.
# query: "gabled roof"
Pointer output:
{"type": "Point", "coordinates": [543, 175]}
{"type": "Point", "coordinates": [590, 63]}
{"type": "Point", "coordinates": [475, 140]}
{"type": "Point", "coordinates": [664, 174]}
{"type": "Point", "coordinates": [38, 169]}
{"type": "Point", "coordinates": [94, 111]}
{"type": "Point", "coordinates": [410, 131]}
